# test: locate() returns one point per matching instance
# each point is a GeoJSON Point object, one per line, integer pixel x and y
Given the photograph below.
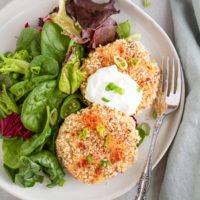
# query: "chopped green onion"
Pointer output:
{"type": "Point", "coordinates": [154, 114]}
{"type": "Point", "coordinates": [105, 99]}
{"type": "Point", "coordinates": [100, 129]}
{"type": "Point", "coordinates": [141, 134]}
{"type": "Point", "coordinates": [89, 159]}
{"type": "Point", "coordinates": [107, 142]}
{"type": "Point", "coordinates": [119, 91]}
{"type": "Point", "coordinates": [138, 89]}
{"type": "Point", "coordinates": [113, 87]}
{"type": "Point", "coordinates": [104, 164]}
{"type": "Point", "coordinates": [124, 29]}
{"type": "Point", "coordinates": [143, 130]}
{"type": "Point", "coordinates": [134, 61]}
{"type": "Point", "coordinates": [145, 127]}
{"type": "Point", "coordinates": [146, 3]}
{"type": "Point", "coordinates": [83, 134]}
{"type": "Point", "coordinates": [135, 37]}
{"type": "Point", "coordinates": [120, 62]}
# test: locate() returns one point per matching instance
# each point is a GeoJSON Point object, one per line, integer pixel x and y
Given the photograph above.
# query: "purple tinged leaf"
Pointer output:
{"type": "Point", "coordinates": [98, 27]}
{"type": "Point", "coordinates": [90, 14]}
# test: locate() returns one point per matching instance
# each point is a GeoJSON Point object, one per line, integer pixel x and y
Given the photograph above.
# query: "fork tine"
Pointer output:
{"type": "Point", "coordinates": [179, 78]}
{"type": "Point", "coordinates": [167, 90]}
{"type": "Point", "coordinates": [173, 78]}
{"type": "Point", "coordinates": [163, 75]}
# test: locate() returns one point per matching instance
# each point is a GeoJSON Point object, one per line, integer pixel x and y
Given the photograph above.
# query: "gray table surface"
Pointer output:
{"type": "Point", "coordinates": [160, 11]}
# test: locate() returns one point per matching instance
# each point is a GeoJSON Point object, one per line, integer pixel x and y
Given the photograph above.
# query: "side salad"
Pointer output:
{"type": "Point", "coordinates": [40, 85]}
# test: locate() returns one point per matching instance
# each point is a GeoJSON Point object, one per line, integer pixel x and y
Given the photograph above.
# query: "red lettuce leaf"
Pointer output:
{"type": "Point", "coordinates": [98, 27]}
{"type": "Point", "coordinates": [90, 14]}
{"type": "Point", "coordinates": [102, 35]}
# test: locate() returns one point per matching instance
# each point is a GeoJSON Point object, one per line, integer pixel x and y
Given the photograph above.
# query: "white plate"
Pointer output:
{"type": "Point", "coordinates": [12, 19]}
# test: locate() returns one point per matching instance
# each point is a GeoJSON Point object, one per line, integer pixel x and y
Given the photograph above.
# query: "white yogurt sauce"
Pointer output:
{"type": "Point", "coordinates": [126, 102]}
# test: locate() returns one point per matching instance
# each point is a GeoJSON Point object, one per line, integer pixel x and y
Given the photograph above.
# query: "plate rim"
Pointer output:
{"type": "Point", "coordinates": [181, 108]}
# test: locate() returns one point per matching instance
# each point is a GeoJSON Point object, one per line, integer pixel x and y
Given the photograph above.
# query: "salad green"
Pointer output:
{"type": "Point", "coordinates": [124, 29]}
{"type": "Point", "coordinates": [53, 43]}
{"type": "Point", "coordinates": [7, 104]}
{"type": "Point", "coordinates": [29, 40]}
{"type": "Point", "coordinates": [71, 76]}
{"type": "Point", "coordinates": [32, 85]}
{"type": "Point", "coordinates": [40, 82]}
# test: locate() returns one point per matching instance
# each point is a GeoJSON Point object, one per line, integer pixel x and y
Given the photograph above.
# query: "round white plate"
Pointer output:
{"type": "Point", "coordinates": [12, 19]}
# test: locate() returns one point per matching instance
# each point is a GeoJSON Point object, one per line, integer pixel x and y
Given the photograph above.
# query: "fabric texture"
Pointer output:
{"type": "Point", "coordinates": [182, 176]}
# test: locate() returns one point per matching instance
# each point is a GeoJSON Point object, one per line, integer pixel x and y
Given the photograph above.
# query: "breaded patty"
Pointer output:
{"type": "Point", "coordinates": [97, 143]}
{"type": "Point", "coordinates": [140, 67]}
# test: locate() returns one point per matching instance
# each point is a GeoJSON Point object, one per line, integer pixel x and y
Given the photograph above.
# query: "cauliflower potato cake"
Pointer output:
{"type": "Point", "coordinates": [140, 67]}
{"type": "Point", "coordinates": [97, 143]}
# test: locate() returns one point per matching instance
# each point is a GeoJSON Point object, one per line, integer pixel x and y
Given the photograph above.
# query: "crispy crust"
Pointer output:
{"type": "Point", "coordinates": [121, 151]}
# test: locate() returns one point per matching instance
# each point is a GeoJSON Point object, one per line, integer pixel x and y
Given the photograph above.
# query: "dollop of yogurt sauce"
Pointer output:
{"type": "Point", "coordinates": [109, 87]}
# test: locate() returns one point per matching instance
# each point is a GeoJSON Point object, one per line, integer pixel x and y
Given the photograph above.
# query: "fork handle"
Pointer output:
{"type": "Point", "coordinates": [145, 179]}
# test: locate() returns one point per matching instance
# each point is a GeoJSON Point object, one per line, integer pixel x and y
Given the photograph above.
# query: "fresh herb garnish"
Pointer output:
{"type": "Point", "coordinates": [107, 142]}
{"type": "Point", "coordinates": [134, 61]}
{"type": "Point", "coordinates": [124, 29]}
{"type": "Point", "coordinates": [154, 114]}
{"type": "Point", "coordinates": [83, 134]}
{"type": "Point", "coordinates": [105, 99]}
{"type": "Point", "coordinates": [120, 62]}
{"type": "Point", "coordinates": [113, 87]}
{"type": "Point", "coordinates": [100, 129]}
{"type": "Point", "coordinates": [134, 37]}
{"type": "Point", "coordinates": [89, 159]}
{"type": "Point", "coordinates": [146, 3]}
{"type": "Point", "coordinates": [143, 130]}
{"type": "Point", "coordinates": [138, 89]}
{"type": "Point", "coordinates": [104, 164]}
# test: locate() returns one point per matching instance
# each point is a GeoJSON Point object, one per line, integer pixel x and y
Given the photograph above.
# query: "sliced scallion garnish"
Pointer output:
{"type": "Point", "coordinates": [138, 89]}
{"type": "Point", "coordinates": [83, 134]}
{"type": "Point", "coordinates": [146, 3]}
{"type": "Point", "coordinates": [120, 62]}
{"type": "Point", "coordinates": [105, 99]}
{"type": "Point", "coordinates": [104, 164]}
{"type": "Point", "coordinates": [115, 88]}
{"type": "Point", "coordinates": [89, 159]}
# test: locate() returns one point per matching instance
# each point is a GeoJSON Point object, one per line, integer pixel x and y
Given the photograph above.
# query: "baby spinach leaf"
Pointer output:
{"type": "Point", "coordinates": [21, 88]}
{"type": "Point", "coordinates": [11, 172]}
{"type": "Point", "coordinates": [53, 43]}
{"type": "Point", "coordinates": [38, 140]}
{"type": "Point", "coordinates": [29, 40]}
{"type": "Point", "coordinates": [34, 106]}
{"type": "Point", "coordinates": [41, 69]}
{"type": "Point", "coordinates": [55, 105]}
{"type": "Point", "coordinates": [28, 173]}
{"type": "Point", "coordinates": [50, 144]}
{"type": "Point", "coordinates": [50, 166]}
{"type": "Point", "coordinates": [43, 65]}
{"type": "Point", "coordinates": [11, 152]}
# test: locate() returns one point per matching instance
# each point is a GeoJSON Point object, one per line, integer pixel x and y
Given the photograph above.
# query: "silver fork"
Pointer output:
{"type": "Point", "coordinates": [171, 80]}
